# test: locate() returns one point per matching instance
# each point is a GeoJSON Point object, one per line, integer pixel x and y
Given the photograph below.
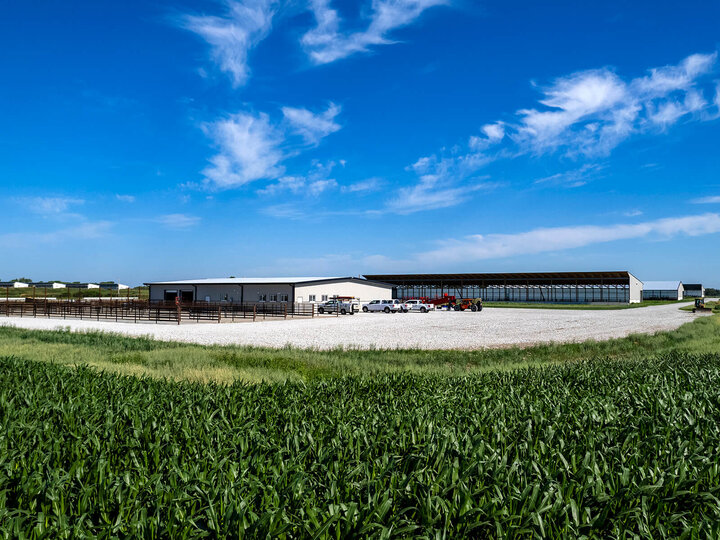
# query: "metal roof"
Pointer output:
{"type": "Point", "coordinates": [257, 281]}
{"type": "Point", "coordinates": [661, 285]}
{"type": "Point", "coordinates": [517, 278]}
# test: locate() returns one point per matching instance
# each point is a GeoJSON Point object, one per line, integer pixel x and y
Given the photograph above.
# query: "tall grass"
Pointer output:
{"type": "Point", "coordinates": [144, 356]}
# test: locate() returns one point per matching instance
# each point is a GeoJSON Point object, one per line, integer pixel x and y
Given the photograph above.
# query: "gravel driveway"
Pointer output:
{"type": "Point", "coordinates": [494, 327]}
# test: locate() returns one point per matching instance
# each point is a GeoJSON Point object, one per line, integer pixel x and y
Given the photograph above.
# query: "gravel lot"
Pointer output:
{"type": "Point", "coordinates": [494, 327]}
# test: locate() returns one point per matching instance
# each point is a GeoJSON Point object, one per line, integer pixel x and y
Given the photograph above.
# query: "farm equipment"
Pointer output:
{"type": "Point", "coordinates": [452, 303]}
{"type": "Point", "coordinates": [473, 304]}
{"type": "Point", "coordinates": [700, 305]}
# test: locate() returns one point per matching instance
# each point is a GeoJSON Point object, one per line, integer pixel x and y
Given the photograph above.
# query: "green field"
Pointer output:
{"type": "Point", "coordinates": [610, 439]}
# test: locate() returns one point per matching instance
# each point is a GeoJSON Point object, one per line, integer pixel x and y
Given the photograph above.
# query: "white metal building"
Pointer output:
{"type": "Point", "coordinates": [694, 290]}
{"type": "Point", "coordinates": [663, 290]}
{"type": "Point", "coordinates": [13, 284]}
{"type": "Point", "coordinates": [269, 289]}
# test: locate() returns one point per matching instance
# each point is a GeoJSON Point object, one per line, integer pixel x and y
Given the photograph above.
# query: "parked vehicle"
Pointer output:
{"type": "Point", "coordinates": [473, 304]}
{"type": "Point", "coordinates": [386, 306]}
{"type": "Point", "coordinates": [418, 305]}
{"type": "Point", "coordinates": [343, 307]}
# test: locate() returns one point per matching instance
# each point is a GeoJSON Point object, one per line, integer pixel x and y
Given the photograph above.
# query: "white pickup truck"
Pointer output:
{"type": "Point", "coordinates": [417, 305]}
{"type": "Point", "coordinates": [334, 306]}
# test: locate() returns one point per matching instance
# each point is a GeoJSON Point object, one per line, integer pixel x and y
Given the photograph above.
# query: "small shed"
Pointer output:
{"type": "Point", "coordinates": [663, 290]}
{"type": "Point", "coordinates": [694, 290]}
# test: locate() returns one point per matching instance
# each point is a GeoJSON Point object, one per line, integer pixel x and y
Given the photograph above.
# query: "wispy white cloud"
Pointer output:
{"type": "Point", "coordinates": [442, 183]}
{"type": "Point", "coordinates": [313, 184]}
{"type": "Point", "coordinates": [284, 211]}
{"type": "Point", "coordinates": [233, 35]}
{"type": "Point", "coordinates": [573, 178]}
{"type": "Point", "coordinates": [89, 230]}
{"type": "Point", "coordinates": [311, 126]}
{"type": "Point", "coordinates": [496, 246]}
{"type": "Point", "coordinates": [584, 115]}
{"type": "Point", "coordinates": [49, 206]}
{"type": "Point", "coordinates": [363, 186]}
{"type": "Point", "coordinates": [327, 43]}
{"type": "Point", "coordinates": [125, 198]}
{"type": "Point", "coordinates": [433, 192]}
{"type": "Point", "coordinates": [249, 149]}
{"type": "Point", "coordinates": [591, 112]}
{"type": "Point", "coordinates": [714, 199]}
{"type": "Point", "coordinates": [178, 221]}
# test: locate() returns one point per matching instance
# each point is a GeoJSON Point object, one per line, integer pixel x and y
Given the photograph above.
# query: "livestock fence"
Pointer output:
{"type": "Point", "coordinates": [154, 311]}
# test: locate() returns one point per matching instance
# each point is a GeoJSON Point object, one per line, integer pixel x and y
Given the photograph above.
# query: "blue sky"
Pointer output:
{"type": "Point", "coordinates": [161, 140]}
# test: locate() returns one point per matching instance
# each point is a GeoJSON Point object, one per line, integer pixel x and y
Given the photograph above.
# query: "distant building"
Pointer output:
{"type": "Point", "coordinates": [663, 290]}
{"type": "Point", "coordinates": [113, 286]}
{"type": "Point", "coordinates": [694, 290]}
{"type": "Point", "coordinates": [13, 284]}
{"type": "Point", "coordinates": [268, 289]}
{"type": "Point", "coordinates": [48, 285]}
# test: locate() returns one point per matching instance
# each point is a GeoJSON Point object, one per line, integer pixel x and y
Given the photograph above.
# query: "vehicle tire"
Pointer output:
{"type": "Point", "coordinates": [365, 309]}
{"type": "Point", "coordinates": [473, 308]}
{"type": "Point", "coordinates": [423, 309]}
{"type": "Point", "coordinates": [343, 311]}
{"type": "Point", "coordinates": [405, 310]}
{"type": "Point", "coordinates": [480, 307]}
{"type": "Point", "coordinates": [458, 308]}
{"type": "Point", "coordinates": [386, 310]}
{"type": "Point", "coordinates": [321, 311]}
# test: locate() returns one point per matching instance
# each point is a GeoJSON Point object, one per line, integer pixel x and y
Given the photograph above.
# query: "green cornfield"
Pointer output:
{"type": "Point", "coordinates": [603, 448]}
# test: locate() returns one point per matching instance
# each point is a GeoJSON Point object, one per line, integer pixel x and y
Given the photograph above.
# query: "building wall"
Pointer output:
{"type": "Point", "coordinates": [662, 294]}
{"type": "Point", "coordinates": [364, 292]}
{"type": "Point", "coordinates": [694, 293]}
{"type": "Point", "coordinates": [636, 290]}
{"type": "Point", "coordinates": [267, 293]}
{"type": "Point", "coordinates": [219, 293]}
{"type": "Point", "coordinates": [278, 292]}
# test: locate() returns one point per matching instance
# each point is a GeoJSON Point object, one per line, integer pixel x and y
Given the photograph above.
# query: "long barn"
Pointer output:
{"type": "Point", "coordinates": [554, 287]}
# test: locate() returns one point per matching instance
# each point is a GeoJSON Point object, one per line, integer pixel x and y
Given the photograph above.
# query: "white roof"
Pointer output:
{"type": "Point", "coordinates": [249, 280]}
{"type": "Point", "coordinates": [661, 285]}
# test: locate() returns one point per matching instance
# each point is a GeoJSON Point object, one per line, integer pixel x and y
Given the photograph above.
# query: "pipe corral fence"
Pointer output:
{"type": "Point", "coordinates": [147, 311]}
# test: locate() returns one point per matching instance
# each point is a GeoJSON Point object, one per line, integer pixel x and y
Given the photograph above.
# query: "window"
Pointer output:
{"type": "Point", "coordinates": [262, 297]}
{"type": "Point", "coordinates": [273, 297]}
{"type": "Point", "coordinates": [311, 298]}
{"type": "Point", "coordinates": [283, 297]}
{"type": "Point", "coordinates": [324, 297]}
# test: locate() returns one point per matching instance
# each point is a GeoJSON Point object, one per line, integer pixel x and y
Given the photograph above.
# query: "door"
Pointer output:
{"type": "Point", "coordinates": [186, 296]}
{"type": "Point", "coordinates": [169, 296]}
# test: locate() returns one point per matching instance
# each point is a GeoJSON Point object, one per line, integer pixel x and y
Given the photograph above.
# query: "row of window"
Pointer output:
{"type": "Point", "coordinates": [312, 298]}
{"type": "Point", "coordinates": [519, 293]}
{"type": "Point", "coordinates": [277, 297]}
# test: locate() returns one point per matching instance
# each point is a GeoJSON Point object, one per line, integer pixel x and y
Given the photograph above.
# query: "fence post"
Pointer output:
{"type": "Point", "coordinates": [254, 311]}
{"type": "Point", "coordinates": [285, 307]}
{"type": "Point", "coordinates": [219, 313]}
{"type": "Point", "coordinates": [179, 313]}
